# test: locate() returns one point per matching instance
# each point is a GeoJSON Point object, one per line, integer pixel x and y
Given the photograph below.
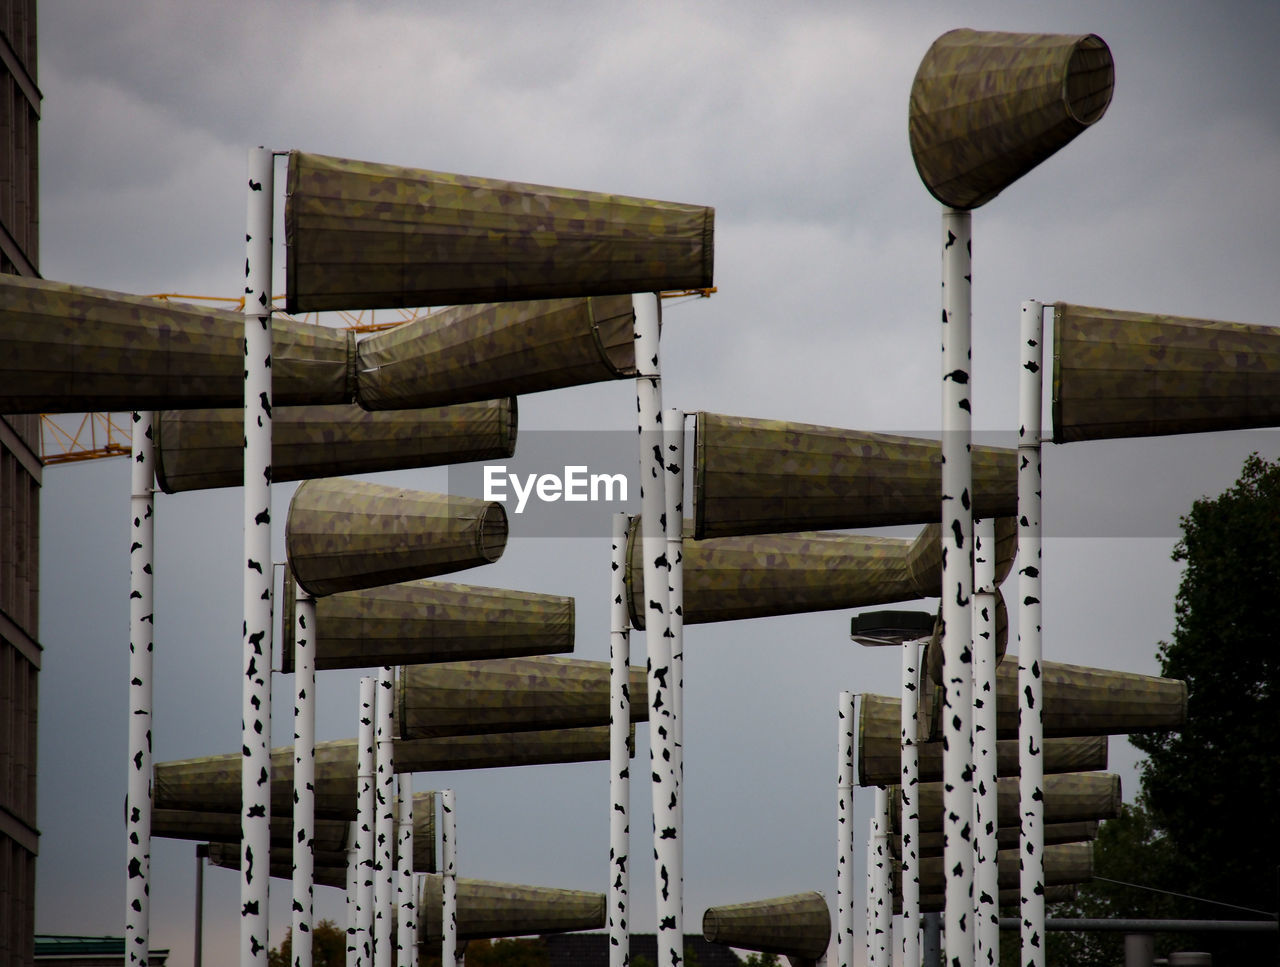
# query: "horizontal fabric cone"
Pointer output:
{"type": "Point", "coordinates": [429, 621]}
{"type": "Point", "coordinates": [1008, 899]}
{"type": "Point", "coordinates": [360, 235]}
{"type": "Point", "coordinates": [213, 827]}
{"type": "Point", "coordinates": [1064, 864]}
{"type": "Point", "coordinates": [728, 578]}
{"type": "Point", "coordinates": [769, 476]}
{"type": "Point", "coordinates": [343, 535]}
{"type": "Point", "coordinates": [930, 844]}
{"type": "Point", "coordinates": [212, 783]}
{"type": "Point", "coordinates": [476, 352]}
{"type": "Point", "coordinates": [326, 870]}
{"type": "Point", "coordinates": [933, 652]}
{"type": "Point", "coordinates": [490, 910]}
{"type": "Point", "coordinates": [73, 349]}
{"type": "Point", "coordinates": [1133, 374]}
{"type": "Point", "coordinates": [1069, 797]}
{"type": "Point", "coordinates": [424, 832]}
{"type": "Point", "coordinates": [1079, 700]}
{"type": "Point", "coordinates": [793, 926]}
{"type": "Point", "coordinates": [879, 748]}
{"type": "Point", "coordinates": [202, 449]}
{"type": "Point", "coordinates": [510, 695]}
{"type": "Point", "coordinates": [987, 107]}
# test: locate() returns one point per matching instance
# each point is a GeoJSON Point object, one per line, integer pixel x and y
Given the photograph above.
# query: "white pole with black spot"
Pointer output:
{"type": "Point", "coordinates": [304, 774]}
{"type": "Point", "coordinates": [384, 830]}
{"type": "Point", "coordinates": [844, 831]}
{"type": "Point", "coordinates": [255, 782]}
{"type": "Point", "coordinates": [986, 887]}
{"type": "Point", "coordinates": [1030, 684]}
{"type": "Point", "coordinates": [137, 918]}
{"type": "Point", "coordinates": [449, 851]}
{"type": "Point", "coordinates": [879, 895]}
{"type": "Point", "coordinates": [406, 921]}
{"type": "Point", "coordinates": [353, 886]}
{"type": "Point", "coordinates": [366, 817]}
{"type": "Point", "coordinates": [673, 449]}
{"type": "Point", "coordinates": [908, 801]}
{"type": "Point", "coordinates": [619, 753]}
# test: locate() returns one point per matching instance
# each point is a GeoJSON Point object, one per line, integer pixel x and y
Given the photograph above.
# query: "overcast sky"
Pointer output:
{"type": "Point", "coordinates": [791, 120]}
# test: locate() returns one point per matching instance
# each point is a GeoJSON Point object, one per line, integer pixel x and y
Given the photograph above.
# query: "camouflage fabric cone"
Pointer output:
{"type": "Point", "coordinates": [879, 749]}
{"type": "Point", "coordinates": [343, 535]}
{"type": "Point", "coordinates": [933, 651]}
{"type": "Point", "coordinates": [476, 352]}
{"type": "Point", "coordinates": [490, 910]}
{"type": "Point", "coordinates": [424, 832]}
{"type": "Point", "coordinates": [1132, 374]}
{"type": "Point", "coordinates": [1064, 864]}
{"type": "Point", "coordinates": [201, 449]}
{"type": "Point", "coordinates": [987, 107]}
{"type": "Point", "coordinates": [360, 235]}
{"type": "Point", "coordinates": [510, 695]}
{"type": "Point", "coordinates": [793, 926]}
{"type": "Point", "coordinates": [426, 621]}
{"type": "Point", "coordinates": [728, 578]}
{"type": "Point", "coordinates": [930, 844]}
{"type": "Point", "coordinates": [1069, 797]}
{"type": "Point", "coordinates": [326, 871]}
{"type": "Point", "coordinates": [71, 349]}
{"type": "Point", "coordinates": [769, 476]}
{"type": "Point", "coordinates": [215, 827]}
{"type": "Point", "coordinates": [1008, 899]}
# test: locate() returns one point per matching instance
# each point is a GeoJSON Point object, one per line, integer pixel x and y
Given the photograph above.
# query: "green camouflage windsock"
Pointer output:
{"type": "Point", "coordinates": [1008, 899]}
{"type": "Point", "coordinates": [1064, 864]}
{"type": "Point", "coordinates": [215, 827]}
{"type": "Point", "coordinates": [427, 621]}
{"type": "Point", "coordinates": [1132, 374]}
{"type": "Point", "coordinates": [769, 476]}
{"type": "Point", "coordinates": [469, 353]}
{"type": "Point", "coordinates": [360, 235]}
{"type": "Point", "coordinates": [424, 832]}
{"type": "Point", "coordinates": [329, 869]}
{"type": "Point", "coordinates": [510, 695]}
{"type": "Point", "coordinates": [201, 449]}
{"type": "Point", "coordinates": [72, 349]}
{"type": "Point", "coordinates": [793, 926]}
{"type": "Point", "coordinates": [1069, 797]}
{"type": "Point", "coordinates": [931, 844]}
{"type": "Point", "coordinates": [987, 107]}
{"type": "Point", "coordinates": [879, 748]}
{"type": "Point", "coordinates": [727, 578]}
{"type": "Point", "coordinates": [343, 535]}
{"type": "Point", "coordinates": [490, 910]}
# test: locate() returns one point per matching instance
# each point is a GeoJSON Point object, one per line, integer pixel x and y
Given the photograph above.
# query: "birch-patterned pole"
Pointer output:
{"type": "Point", "coordinates": [137, 917]}
{"type": "Point", "coordinates": [255, 726]}
{"type": "Point", "coordinates": [449, 851]}
{"type": "Point", "coordinates": [385, 825]}
{"type": "Point", "coordinates": [407, 926]}
{"type": "Point", "coordinates": [909, 803]}
{"type": "Point", "coordinates": [880, 916]}
{"type": "Point", "coordinates": [304, 775]}
{"type": "Point", "coordinates": [844, 831]}
{"type": "Point", "coordinates": [1030, 685]}
{"type": "Point", "coordinates": [986, 888]}
{"type": "Point", "coordinates": [665, 785]}
{"type": "Point", "coordinates": [673, 448]}
{"type": "Point", "coordinates": [619, 753]}
{"type": "Point", "coordinates": [353, 887]}
{"type": "Point", "coordinates": [957, 585]}
{"type": "Point", "coordinates": [366, 817]}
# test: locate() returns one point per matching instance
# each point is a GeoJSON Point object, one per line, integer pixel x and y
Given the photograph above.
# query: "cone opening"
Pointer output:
{"type": "Point", "coordinates": [491, 540]}
{"type": "Point", "coordinates": [1089, 80]}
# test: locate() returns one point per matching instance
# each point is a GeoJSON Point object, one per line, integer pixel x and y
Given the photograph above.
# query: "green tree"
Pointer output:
{"type": "Point", "coordinates": [328, 947]}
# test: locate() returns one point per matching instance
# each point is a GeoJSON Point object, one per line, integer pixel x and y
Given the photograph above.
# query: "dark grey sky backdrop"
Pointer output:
{"type": "Point", "coordinates": [791, 121]}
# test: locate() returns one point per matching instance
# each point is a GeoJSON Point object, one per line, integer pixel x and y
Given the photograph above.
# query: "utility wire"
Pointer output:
{"type": "Point", "coordinates": [1185, 896]}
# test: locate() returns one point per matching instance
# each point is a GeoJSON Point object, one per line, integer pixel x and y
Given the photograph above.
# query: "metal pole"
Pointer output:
{"type": "Point", "coordinates": [304, 775]}
{"type": "Point", "coordinates": [957, 584]}
{"type": "Point", "coordinates": [255, 778]}
{"type": "Point", "coordinates": [844, 831]}
{"type": "Point", "coordinates": [366, 813]}
{"type": "Point", "coordinates": [673, 446]}
{"type": "Point", "coordinates": [384, 838]}
{"type": "Point", "coordinates": [909, 804]}
{"type": "Point", "coordinates": [449, 914]}
{"type": "Point", "coordinates": [1139, 950]}
{"type": "Point", "coordinates": [137, 917]}
{"type": "Point", "coordinates": [662, 736]}
{"type": "Point", "coordinates": [407, 921]}
{"type": "Point", "coordinates": [197, 957]}
{"type": "Point", "coordinates": [986, 888]}
{"type": "Point", "coordinates": [1030, 685]}
{"type": "Point", "coordinates": [932, 945]}
{"type": "Point", "coordinates": [353, 888]}
{"type": "Point", "coordinates": [619, 754]}
{"type": "Point", "coordinates": [880, 917]}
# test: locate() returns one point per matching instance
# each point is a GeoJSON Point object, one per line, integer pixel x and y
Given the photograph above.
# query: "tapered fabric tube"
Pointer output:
{"type": "Point", "coordinates": [1069, 797]}
{"type": "Point", "coordinates": [1064, 864]}
{"type": "Point", "coordinates": [416, 622]}
{"type": "Point", "coordinates": [329, 870]}
{"type": "Point", "coordinates": [424, 832]}
{"type": "Point", "coordinates": [202, 449]}
{"type": "Point", "coordinates": [1133, 374]}
{"type": "Point", "coordinates": [361, 235]}
{"type": "Point", "coordinates": [72, 349]}
{"type": "Point", "coordinates": [622, 705]}
{"type": "Point", "coordinates": [467, 353]}
{"type": "Point", "coordinates": [930, 844]}
{"type": "Point", "coordinates": [844, 831]}
{"type": "Point", "coordinates": [489, 910]}
{"type": "Point", "coordinates": [304, 774]}
{"type": "Point", "coordinates": [792, 926]}
{"type": "Point", "coordinates": [987, 107]}
{"type": "Point", "coordinates": [999, 617]}
{"type": "Point", "coordinates": [756, 476]}
{"type": "Point", "coordinates": [344, 535]}
{"type": "Point", "coordinates": [730, 578]}
{"type": "Point", "coordinates": [204, 826]}
{"type": "Point", "coordinates": [510, 695]}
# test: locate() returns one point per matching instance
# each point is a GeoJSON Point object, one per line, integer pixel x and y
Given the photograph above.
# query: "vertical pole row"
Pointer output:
{"type": "Point", "coordinates": [137, 917]}
{"type": "Point", "coordinates": [662, 736]}
{"type": "Point", "coordinates": [986, 888]}
{"type": "Point", "coordinates": [909, 803]}
{"type": "Point", "coordinates": [449, 913]}
{"type": "Point", "coordinates": [366, 817]}
{"type": "Point", "coordinates": [304, 773]}
{"type": "Point", "coordinates": [619, 753]}
{"type": "Point", "coordinates": [407, 926]}
{"type": "Point", "coordinates": [844, 832]}
{"type": "Point", "coordinates": [673, 447]}
{"type": "Point", "coordinates": [880, 916]}
{"type": "Point", "coordinates": [255, 780]}
{"type": "Point", "coordinates": [1030, 685]}
{"type": "Point", "coordinates": [385, 824]}
{"type": "Point", "coordinates": [957, 584]}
